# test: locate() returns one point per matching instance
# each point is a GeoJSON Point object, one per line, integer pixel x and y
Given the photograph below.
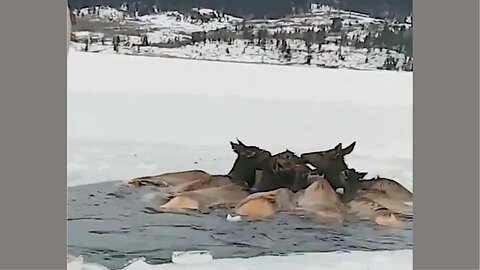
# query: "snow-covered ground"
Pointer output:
{"type": "Point", "coordinates": [239, 52]}
{"type": "Point", "coordinates": [134, 115]}
{"type": "Point", "coordinates": [147, 110]}
{"type": "Point", "coordinates": [320, 16]}
{"type": "Point", "coordinates": [101, 13]}
{"type": "Point", "coordinates": [392, 260]}
{"type": "Point", "coordinates": [178, 22]}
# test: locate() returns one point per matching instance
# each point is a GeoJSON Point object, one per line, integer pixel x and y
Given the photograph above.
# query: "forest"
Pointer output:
{"type": "Point", "coordinates": [260, 8]}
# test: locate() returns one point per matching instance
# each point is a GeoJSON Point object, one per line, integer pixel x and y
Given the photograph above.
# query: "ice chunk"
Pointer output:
{"type": "Point", "coordinates": [233, 218]}
{"type": "Point", "coordinates": [75, 264]}
{"type": "Point", "coordinates": [191, 257]}
{"type": "Point", "coordinates": [94, 266]}
{"type": "Point", "coordinates": [138, 263]}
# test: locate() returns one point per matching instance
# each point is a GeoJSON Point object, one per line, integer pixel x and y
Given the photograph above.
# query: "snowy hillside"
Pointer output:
{"type": "Point", "coordinates": [175, 21]}
{"type": "Point", "coordinates": [303, 39]}
{"type": "Point", "coordinates": [101, 13]}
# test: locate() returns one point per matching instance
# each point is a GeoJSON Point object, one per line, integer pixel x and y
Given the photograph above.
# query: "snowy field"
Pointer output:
{"type": "Point", "coordinates": [130, 116]}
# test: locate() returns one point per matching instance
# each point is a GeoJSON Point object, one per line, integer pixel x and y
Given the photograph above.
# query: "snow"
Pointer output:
{"type": "Point", "coordinates": [408, 19]}
{"type": "Point", "coordinates": [347, 16]}
{"type": "Point", "coordinates": [139, 76]}
{"type": "Point", "coordinates": [238, 52]}
{"type": "Point", "coordinates": [192, 257]}
{"type": "Point", "coordinates": [379, 260]}
{"type": "Point", "coordinates": [177, 22]}
{"type": "Point", "coordinates": [135, 115]}
{"type": "Point", "coordinates": [130, 116]}
{"type": "Point", "coordinates": [317, 19]}
{"type": "Point", "coordinates": [101, 13]}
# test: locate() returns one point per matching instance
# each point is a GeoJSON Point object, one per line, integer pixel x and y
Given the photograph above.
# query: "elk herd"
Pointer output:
{"type": "Point", "coordinates": [259, 185]}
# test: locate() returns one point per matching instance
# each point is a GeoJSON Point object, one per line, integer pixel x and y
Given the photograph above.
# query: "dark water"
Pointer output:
{"type": "Point", "coordinates": [110, 227]}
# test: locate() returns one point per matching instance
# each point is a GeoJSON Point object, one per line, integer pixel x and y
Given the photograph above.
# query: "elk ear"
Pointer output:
{"type": "Point", "coordinates": [235, 147]}
{"type": "Point", "coordinates": [362, 175]}
{"type": "Point", "coordinates": [338, 148]}
{"type": "Point", "coordinates": [240, 142]}
{"type": "Point", "coordinates": [347, 150]}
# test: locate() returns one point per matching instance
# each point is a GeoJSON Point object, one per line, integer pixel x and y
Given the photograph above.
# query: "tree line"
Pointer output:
{"type": "Point", "coordinates": [259, 9]}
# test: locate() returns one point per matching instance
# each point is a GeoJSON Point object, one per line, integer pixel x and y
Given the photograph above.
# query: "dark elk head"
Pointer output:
{"type": "Point", "coordinates": [329, 160]}
{"type": "Point", "coordinates": [251, 153]}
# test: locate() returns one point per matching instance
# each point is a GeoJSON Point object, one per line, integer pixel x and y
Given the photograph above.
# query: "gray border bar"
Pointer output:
{"type": "Point", "coordinates": [33, 143]}
{"type": "Point", "coordinates": [33, 118]}
{"type": "Point", "coordinates": [446, 134]}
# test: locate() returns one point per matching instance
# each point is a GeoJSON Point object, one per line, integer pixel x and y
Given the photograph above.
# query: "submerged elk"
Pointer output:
{"type": "Point", "coordinates": [321, 202]}
{"type": "Point", "coordinates": [241, 177]}
{"type": "Point", "coordinates": [242, 173]}
{"type": "Point", "coordinates": [382, 200]}
{"type": "Point", "coordinates": [318, 200]}
{"type": "Point", "coordinates": [330, 163]}
{"type": "Point", "coordinates": [356, 184]}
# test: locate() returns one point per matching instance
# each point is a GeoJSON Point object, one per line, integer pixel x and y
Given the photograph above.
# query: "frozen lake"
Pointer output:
{"type": "Point", "coordinates": [130, 116]}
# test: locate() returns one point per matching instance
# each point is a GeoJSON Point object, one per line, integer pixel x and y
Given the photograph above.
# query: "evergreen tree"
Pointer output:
{"type": "Point", "coordinates": [336, 25]}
